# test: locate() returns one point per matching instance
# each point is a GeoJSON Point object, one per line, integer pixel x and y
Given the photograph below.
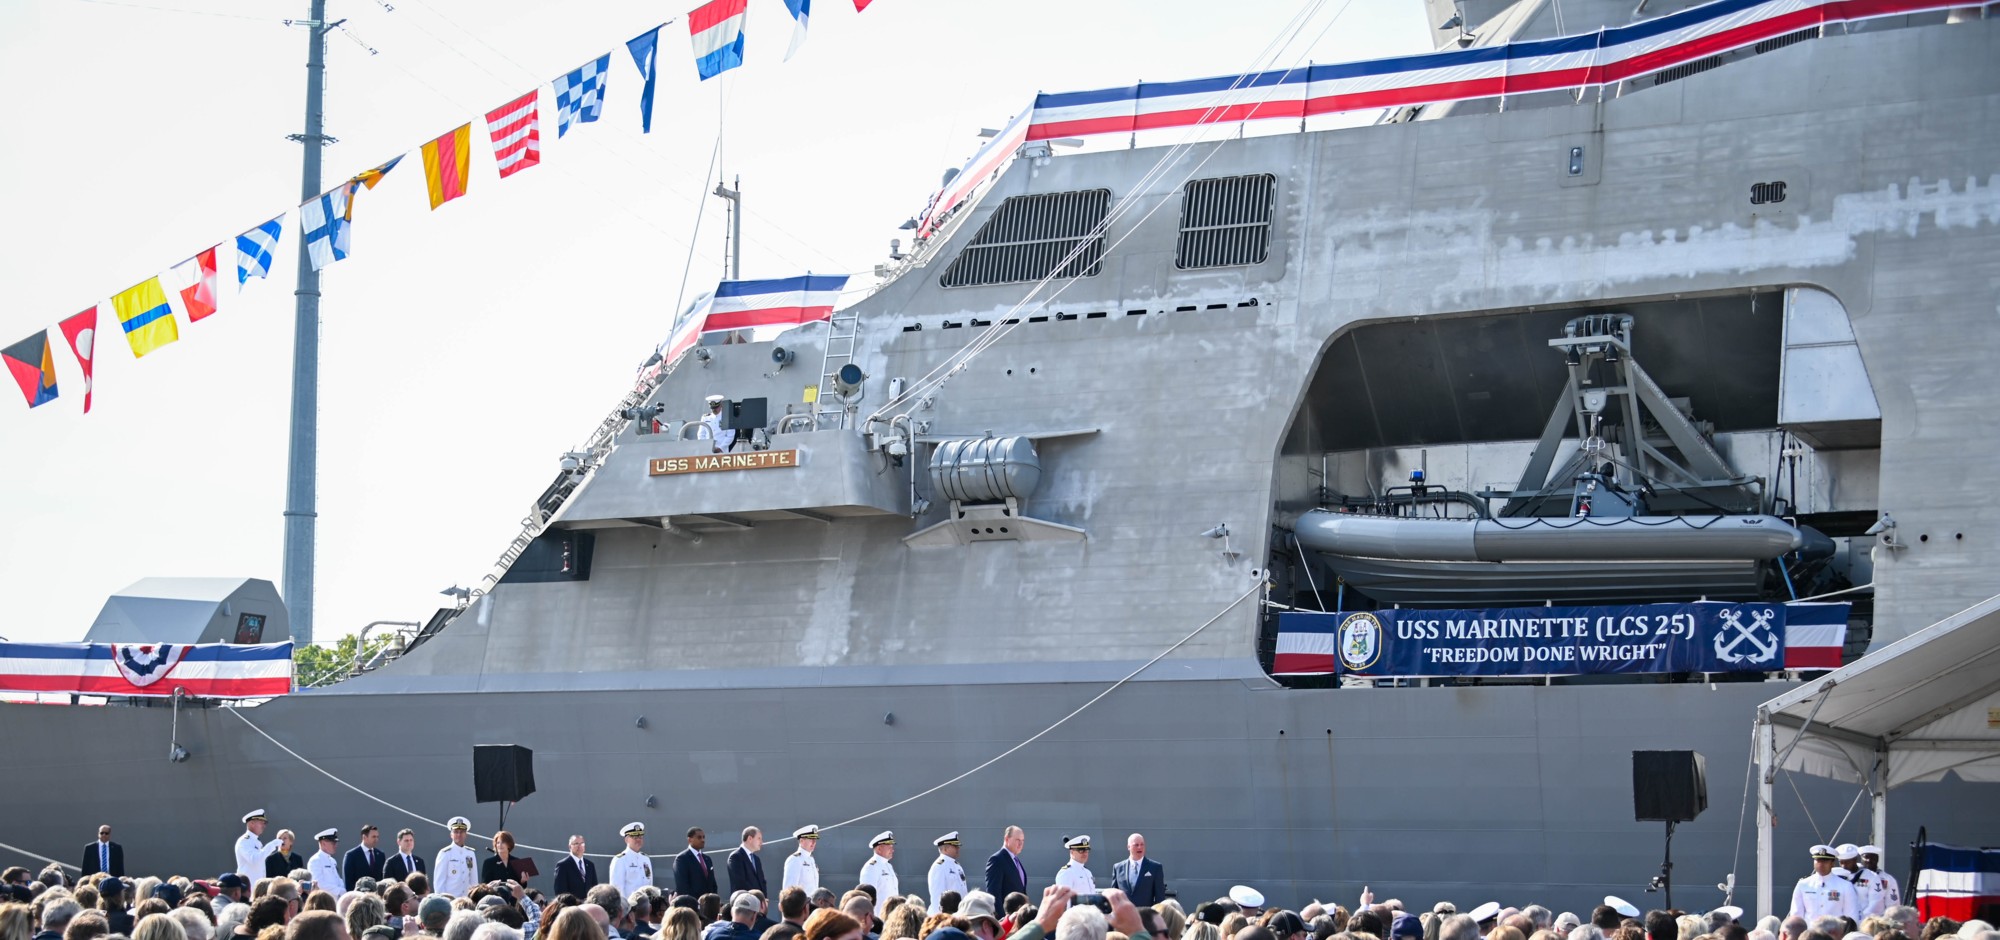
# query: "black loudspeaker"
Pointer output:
{"type": "Point", "coordinates": [1668, 786]}
{"type": "Point", "coordinates": [502, 773]}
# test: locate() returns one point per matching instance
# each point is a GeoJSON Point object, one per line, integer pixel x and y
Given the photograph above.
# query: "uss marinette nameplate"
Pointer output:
{"type": "Point", "coordinates": [712, 463]}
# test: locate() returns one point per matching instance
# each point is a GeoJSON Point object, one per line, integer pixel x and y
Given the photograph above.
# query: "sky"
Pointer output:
{"type": "Point", "coordinates": [464, 349]}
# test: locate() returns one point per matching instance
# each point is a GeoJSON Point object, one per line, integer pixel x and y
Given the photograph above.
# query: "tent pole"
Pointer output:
{"type": "Point", "coordinates": [1879, 800]}
{"type": "Point", "coordinates": [1767, 771]}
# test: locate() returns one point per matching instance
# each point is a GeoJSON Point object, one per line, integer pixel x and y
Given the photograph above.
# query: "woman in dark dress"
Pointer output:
{"type": "Point", "coordinates": [502, 865]}
{"type": "Point", "coordinates": [284, 861]}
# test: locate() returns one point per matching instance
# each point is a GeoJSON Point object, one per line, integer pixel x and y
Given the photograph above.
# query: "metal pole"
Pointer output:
{"type": "Point", "coordinates": [1767, 773]}
{"type": "Point", "coordinates": [301, 483]}
{"type": "Point", "coordinates": [735, 198]}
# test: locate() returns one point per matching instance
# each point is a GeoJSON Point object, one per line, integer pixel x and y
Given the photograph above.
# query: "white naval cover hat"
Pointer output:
{"type": "Point", "coordinates": [715, 399]}
{"type": "Point", "coordinates": [885, 837]}
{"type": "Point", "coordinates": [1245, 896]}
{"type": "Point", "coordinates": [949, 838]}
{"type": "Point", "coordinates": [1620, 905]}
{"type": "Point", "coordinates": [458, 822]}
{"type": "Point", "coordinates": [1083, 842]}
{"type": "Point", "coordinates": [806, 832]}
{"type": "Point", "coordinates": [252, 816]}
{"type": "Point", "coordinates": [1822, 851]}
{"type": "Point", "coordinates": [1484, 912]}
{"type": "Point", "coordinates": [633, 829]}
{"type": "Point", "coordinates": [1733, 912]}
{"type": "Point", "coordinates": [328, 834]}
{"type": "Point", "coordinates": [1847, 850]}
{"type": "Point", "coordinates": [1871, 850]}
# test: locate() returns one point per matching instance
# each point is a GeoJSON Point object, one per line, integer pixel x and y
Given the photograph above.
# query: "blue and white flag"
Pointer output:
{"type": "Point", "coordinates": [799, 9]}
{"type": "Point", "coordinates": [324, 223]}
{"type": "Point", "coordinates": [580, 94]}
{"type": "Point", "coordinates": [645, 49]}
{"type": "Point", "coordinates": [253, 250]}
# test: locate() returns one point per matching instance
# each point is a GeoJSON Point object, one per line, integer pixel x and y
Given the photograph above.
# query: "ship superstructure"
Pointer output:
{"type": "Point", "coordinates": [913, 570]}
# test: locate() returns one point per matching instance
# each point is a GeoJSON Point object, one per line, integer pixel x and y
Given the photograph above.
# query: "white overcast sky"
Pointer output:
{"type": "Point", "coordinates": [463, 350]}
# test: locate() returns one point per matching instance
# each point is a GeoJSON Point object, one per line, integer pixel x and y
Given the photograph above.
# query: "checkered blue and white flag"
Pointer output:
{"type": "Point", "coordinates": [324, 222]}
{"type": "Point", "coordinates": [253, 250]}
{"type": "Point", "coordinates": [580, 94]}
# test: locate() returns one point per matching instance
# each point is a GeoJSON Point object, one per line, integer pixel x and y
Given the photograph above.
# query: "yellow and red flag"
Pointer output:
{"type": "Point", "coordinates": [448, 165]}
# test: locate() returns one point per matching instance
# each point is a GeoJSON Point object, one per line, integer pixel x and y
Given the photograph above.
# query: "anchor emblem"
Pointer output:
{"type": "Point", "coordinates": [1758, 633]}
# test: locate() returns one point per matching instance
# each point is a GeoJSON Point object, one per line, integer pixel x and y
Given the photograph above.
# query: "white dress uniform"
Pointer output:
{"type": "Point", "coordinates": [631, 871]}
{"type": "Point", "coordinates": [456, 869]}
{"type": "Point", "coordinates": [1817, 895]}
{"type": "Point", "coordinates": [1892, 893]}
{"type": "Point", "coordinates": [724, 437]}
{"type": "Point", "coordinates": [946, 875]}
{"type": "Point", "coordinates": [1869, 896]}
{"type": "Point", "coordinates": [878, 872]}
{"type": "Point", "coordinates": [1077, 877]}
{"type": "Point", "coordinates": [325, 871]}
{"type": "Point", "coordinates": [802, 872]}
{"type": "Point", "coordinates": [250, 855]}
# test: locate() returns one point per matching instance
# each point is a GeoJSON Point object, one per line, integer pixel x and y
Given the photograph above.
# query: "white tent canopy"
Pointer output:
{"type": "Point", "coordinates": [1922, 707]}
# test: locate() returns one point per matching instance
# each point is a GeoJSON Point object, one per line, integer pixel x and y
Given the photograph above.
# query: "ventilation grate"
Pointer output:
{"type": "Point", "coordinates": [1029, 237]}
{"type": "Point", "coordinates": [1788, 39]}
{"type": "Point", "coordinates": [1226, 221]}
{"type": "Point", "coordinates": [1679, 72]}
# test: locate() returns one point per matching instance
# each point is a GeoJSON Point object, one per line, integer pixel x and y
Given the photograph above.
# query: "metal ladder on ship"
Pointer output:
{"type": "Point", "coordinates": [843, 331]}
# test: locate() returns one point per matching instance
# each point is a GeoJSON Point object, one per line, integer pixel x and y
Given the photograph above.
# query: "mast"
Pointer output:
{"type": "Point", "coordinates": [301, 476]}
{"type": "Point", "coordinates": [735, 198]}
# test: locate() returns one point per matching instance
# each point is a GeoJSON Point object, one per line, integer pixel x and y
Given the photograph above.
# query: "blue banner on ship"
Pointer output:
{"type": "Point", "coordinates": [1535, 641]}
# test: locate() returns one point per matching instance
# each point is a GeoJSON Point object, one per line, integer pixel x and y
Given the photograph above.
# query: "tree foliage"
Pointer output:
{"type": "Point", "coordinates": [323, 662]}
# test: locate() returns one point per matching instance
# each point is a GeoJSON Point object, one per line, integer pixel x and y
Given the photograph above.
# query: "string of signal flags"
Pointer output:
{"type": "Point", "coordinates": [149, 313]}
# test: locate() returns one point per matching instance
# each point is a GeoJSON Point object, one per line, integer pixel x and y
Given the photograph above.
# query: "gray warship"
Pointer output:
{"type": "Point", "coordinates": [964, 518]}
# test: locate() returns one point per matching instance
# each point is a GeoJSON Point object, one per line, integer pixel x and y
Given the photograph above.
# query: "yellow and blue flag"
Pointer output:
{"type": "Point", "coordinates": [143, 312]}
{"type": "Point", "coordinates": [33, 364]}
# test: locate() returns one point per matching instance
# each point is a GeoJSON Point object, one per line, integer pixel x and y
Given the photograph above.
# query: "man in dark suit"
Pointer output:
{"type": "Point", "coordinates": [746, 869]}
{"type": "Point", "coordinates": [1142, 879]}
{"type": "Point", "coordinates": [1004, 872]}
{"type": "Point", "coordinates": [694, 876]}
{"type": "Point", "coordinates": [406, 861]}
{"type": "Point", "coordinates": [364, 860]}
{"type": "Point", "coordinates": [104, 855]}
{"type": "Point", "coordinates": [576, 874]}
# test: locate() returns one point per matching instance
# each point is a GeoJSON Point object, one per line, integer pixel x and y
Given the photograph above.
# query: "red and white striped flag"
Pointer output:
{"type": "Point", "coordinates": [517, 136]}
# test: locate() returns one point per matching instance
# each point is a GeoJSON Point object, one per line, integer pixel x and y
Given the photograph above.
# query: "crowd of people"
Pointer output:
{"type": "Point", "coordinates": [369, 893]}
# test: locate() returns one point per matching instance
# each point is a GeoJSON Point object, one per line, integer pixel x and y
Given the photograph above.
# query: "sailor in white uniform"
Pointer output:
{"type": "Point", "coordinates": [723, 438]}
{"type": "Point", "coordinates": [457, 868]}
{"type": "Point", "coordinates": [879, 872]}
{"type": "Point", "coordinates": [1823, 892]}
{"type": "Point", "coordinates": [946, 873]}
{"type": "Point", "coordinates": [1892, 893]}
{"type": "Point", "coordinates": [1075, 875]}
{"type": "Point", "coordinates": [251, 847]}
{"type": "Point", "coordinates": [1868, 892]}
{"type": "Point", "coordinates": [631, 869]}
{"type": "Point", "coordinates": [800, 870]}
{"type": "Point", "coordinates": [325, 866]}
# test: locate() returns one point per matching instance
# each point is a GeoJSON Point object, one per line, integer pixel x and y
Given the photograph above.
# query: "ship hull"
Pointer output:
{"type": "Point", "coordinates": [1516, 793]}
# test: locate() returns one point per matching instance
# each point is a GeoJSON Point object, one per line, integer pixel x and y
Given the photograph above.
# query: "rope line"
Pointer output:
{"type": "Point", "coordinates": [44, 858]}
{"type": "Point", "coordinates": [1080, 709]}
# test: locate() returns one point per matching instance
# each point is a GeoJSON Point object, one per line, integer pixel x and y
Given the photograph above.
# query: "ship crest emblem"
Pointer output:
{"type": "Point", "coordinates": [1360, 641]}
{"type": "Point", "coordinates": [1762, 639]}
{"type": "Point", "coordinates": [144, 664]}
